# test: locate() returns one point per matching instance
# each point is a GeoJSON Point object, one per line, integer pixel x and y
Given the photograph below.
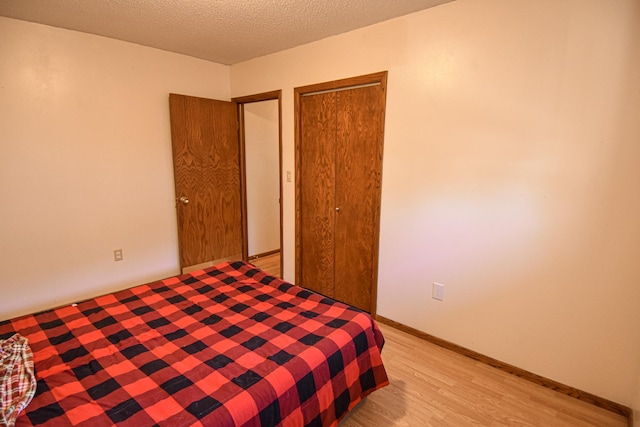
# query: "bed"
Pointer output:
{"type": "Point", "coordinates": [225, 346]}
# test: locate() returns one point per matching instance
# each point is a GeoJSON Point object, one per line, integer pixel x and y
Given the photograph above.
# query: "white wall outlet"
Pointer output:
{"type": "Point", "coordinates": [117, 255]}
{"type": "Point", "coordinates": [288, 176]}
{"type": "Point", "coordinates": [438, 291]}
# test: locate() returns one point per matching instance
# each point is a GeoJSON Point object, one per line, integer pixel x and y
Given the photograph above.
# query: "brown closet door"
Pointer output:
{"type": "Point", "coordinates": [339, 139]}
{"type": "Point", "coordinates": [317, 192]}
{"type": "Point", "coordinates": [207, 178]}
{"type": "Point", "coordinates": [360, 131]}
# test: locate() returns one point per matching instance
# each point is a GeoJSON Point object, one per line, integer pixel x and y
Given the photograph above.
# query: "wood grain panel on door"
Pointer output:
{"type": "Point", "coordinates": [317, 195]}
{"type": "Point", "coordinates": [207, 173]}
{"type": "Point", "coordinates": [339, 140]}
{"type": "Point", "coordinates": [360, 132]}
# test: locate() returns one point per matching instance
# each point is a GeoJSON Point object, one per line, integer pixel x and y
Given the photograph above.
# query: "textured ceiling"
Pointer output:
{"type": "Point", "coordinates": [223, 31]}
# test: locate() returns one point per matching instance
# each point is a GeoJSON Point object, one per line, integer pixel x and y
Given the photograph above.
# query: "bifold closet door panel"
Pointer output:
{"type": "Point", "coordinates": [317, 192]}
{"type": "Point", "coordinates": [360, 128]}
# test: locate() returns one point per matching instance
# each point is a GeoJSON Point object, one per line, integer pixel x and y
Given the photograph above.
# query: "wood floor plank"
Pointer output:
{"type": "Point", "coordinates": [433, 386]}
{"type": "Point", "coordinates": [268, 263]}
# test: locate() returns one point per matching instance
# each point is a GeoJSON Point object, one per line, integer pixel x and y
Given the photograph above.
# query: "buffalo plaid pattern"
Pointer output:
{"type": "Point", "coordinates": [225, 346]}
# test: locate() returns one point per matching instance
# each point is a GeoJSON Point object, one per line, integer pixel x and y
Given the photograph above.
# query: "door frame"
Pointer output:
{"type": "Point", "coordinates": [379, 78]}
{"type": "Point", "coordinates": [241, 101]}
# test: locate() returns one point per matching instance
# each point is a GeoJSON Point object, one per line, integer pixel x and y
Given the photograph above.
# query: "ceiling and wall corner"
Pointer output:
{"type": "Point", "coordinates": [225, 32]}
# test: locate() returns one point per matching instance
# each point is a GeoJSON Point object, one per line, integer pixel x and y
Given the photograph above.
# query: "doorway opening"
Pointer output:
{"type": "Point", "coordinates": [260, 126]}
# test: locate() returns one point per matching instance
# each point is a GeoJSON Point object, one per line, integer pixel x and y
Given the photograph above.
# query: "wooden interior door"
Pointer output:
{"type": "Point", "coordinates": [204, 135]}
{"type": "Point", "coordinates": [339, 139]}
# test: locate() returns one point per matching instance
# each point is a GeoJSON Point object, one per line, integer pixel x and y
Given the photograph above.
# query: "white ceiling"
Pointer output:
{"type": "Point", "coordinates": [223, 31]}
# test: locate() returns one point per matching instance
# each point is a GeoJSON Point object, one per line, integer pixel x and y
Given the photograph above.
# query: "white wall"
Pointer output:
{"type": "Point", "coordinates": [262, 149]}
{"type": "Point", "coordinates": [510, 175]}
{"type": "Point", "coordinates": [85, 162]}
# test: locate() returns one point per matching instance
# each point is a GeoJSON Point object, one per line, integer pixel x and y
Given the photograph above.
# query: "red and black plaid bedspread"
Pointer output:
{"type": "Point", "coordinates": [226, 346]}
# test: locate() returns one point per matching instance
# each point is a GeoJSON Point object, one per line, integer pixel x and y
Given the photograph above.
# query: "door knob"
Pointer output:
{"type": "Point", "coordinates": [184, 200]}
{"type": "Point", "coordinates": [337, 209]}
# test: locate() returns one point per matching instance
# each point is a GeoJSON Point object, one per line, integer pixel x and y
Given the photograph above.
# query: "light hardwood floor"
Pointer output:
{"type": "Point", "coordinates": [433, 386]}
{"type": "Point", "coordinates": [269, 263]}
